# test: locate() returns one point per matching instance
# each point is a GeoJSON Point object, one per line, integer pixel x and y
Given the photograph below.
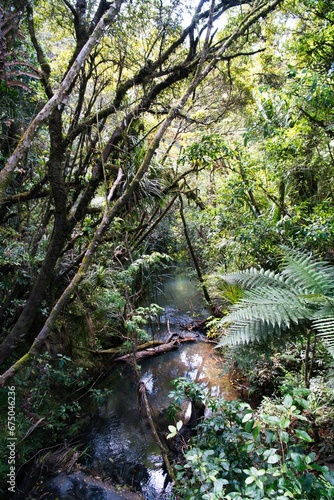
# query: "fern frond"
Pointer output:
{"type": "Point", "coordinates": [229, 292]}
{"type": "Point", "coordinates": [271, 305]}
{"type": "Point", "coordinates": [303, 292]}
{"type": "Point", "coordinates": [326, 310]}
{"type": "Point", "coordinates": [263, 312]}
{"type": "Point", "coordinates": [245, 332]}
{"type": "Point", "coordinates": [254, 277]}
{"type": "Point", "coordinates": [325, 330]}
{"type": "Point", "coordinates": [310, 275]}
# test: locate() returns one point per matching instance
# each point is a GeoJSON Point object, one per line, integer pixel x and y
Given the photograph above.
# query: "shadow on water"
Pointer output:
{"type": "Point", "coordinates": [121, 444]}
{"type": "Point", "coordinates": [183, 294]}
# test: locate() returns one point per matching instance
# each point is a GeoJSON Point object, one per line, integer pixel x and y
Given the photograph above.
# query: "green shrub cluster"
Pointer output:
{"type": "Point", "coordinates": [269, 453]}
{"type": "Point", "coordinates": [48, 409]}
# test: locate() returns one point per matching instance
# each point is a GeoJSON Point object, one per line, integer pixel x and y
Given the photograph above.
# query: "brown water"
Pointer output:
{"type": "Point", "coordinates": [197, 361]}
{"type": "Point", "coordinates": [121, 442]}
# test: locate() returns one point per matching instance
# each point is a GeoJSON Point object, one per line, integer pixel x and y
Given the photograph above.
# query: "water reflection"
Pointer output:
{"type": "Point", "coordinates": [122, 445]}
{"type": "Point", "coordinates": [121, 440]}
{"type": "Point", "coordinates": [197, 360]}
{"type": "Point", "coordinates": [183, 294]}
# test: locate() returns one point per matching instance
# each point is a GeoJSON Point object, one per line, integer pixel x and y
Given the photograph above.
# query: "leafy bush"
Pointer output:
{"type": "Point", "coordinates": [47, 405]}
{"type": "Point", "coordinates": [243, 454]}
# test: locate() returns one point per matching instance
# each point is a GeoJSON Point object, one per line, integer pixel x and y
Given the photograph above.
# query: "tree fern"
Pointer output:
{"type": "Point", "coordinates": [310, 275]}
{"type": "Point", "coordinates": [325, 330]}
{"type": "Point", "coordinates": [262, 312]}
{"type": "Point", "coordinates": [301, 294]}
{"type": "Point", "coordinates": [255, 277]}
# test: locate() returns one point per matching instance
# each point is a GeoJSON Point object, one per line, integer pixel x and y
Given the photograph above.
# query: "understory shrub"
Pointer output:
{"type": "Point", "coordinates": [240, 453]}
{"type": "Point", "coordinates": [47, 409]}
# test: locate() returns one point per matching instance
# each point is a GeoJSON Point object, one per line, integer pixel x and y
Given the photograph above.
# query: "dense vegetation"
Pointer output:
{"type": "Point", "coordinates": [136, 135]}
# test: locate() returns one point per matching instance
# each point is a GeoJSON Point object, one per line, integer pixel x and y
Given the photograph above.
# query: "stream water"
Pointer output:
{"type": "Point", "coordinates": [121, 444]}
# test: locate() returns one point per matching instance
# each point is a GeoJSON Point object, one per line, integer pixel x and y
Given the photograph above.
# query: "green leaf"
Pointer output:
{"type": "Point", "coordinates": [285, 436]}
{"type": "Point", "coordinates": [273, 459]}
{"type": "Point", "coordinates": [271, 456]}
{"type": "Point", "coordinates": [247, 417]}
{"type": "Point", "coordinates": [172, 431]}
{"type": "Point", "coordinates": [285, 422]}
{"type": "Point", "coordinates": [298, 462]}
{"type": "Point", "coordinates": [272, 420]}
{"type": "Point", "coordinates": [208, 453]}
{"type": "Point", "coordinates": [304, 436]}
{"type": "Point", "coordinates": [288, 401]}
{"type": "Point", "coordinates": [273, 302]}
{"type": "Point", "coordinates": [219, 485]}
{"type": "Point", "coordinates": [329, 476]}
{"type": "Point", "coordinates": [256, 431]}
{"type": "Point", "coordinates": [249, 425]}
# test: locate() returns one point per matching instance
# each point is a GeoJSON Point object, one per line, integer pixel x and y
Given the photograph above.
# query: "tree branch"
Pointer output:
{"type": "Point", "coordinates": [58, 99]}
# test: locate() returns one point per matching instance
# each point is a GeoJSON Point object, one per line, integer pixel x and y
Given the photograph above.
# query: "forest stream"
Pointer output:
{"type": "Point", "coordinates": [120, 442]}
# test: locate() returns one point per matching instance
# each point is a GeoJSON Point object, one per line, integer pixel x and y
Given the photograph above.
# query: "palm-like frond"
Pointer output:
{"type": "Point", "coordinates": [253, 277]}
{"type": "Point", "coordinates": [263, 312]}
{"type": "Point", "coordinates": [310, 275]}
{"type": "Point", "coordinates": [303, 292]}
{"type": "Point", "coordinates": [323, 323]}
{"type": "Point", "coordinates": [325, 330]}
{"type": "Point", "coordinates": [245, 332]}
{"type": "Point", "coordinates": [230, 293]}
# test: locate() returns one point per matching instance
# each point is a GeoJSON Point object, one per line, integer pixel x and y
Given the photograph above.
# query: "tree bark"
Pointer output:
{"type": "Point", "coordinates": [60, 233]}
{"type": "Point", "coordinates": [57, 100]}
{"type": "Point", "coordinates": [203, 69]}
{"type": "Point", "coordinates": [65, 297]}
{"type": "Point", "coordinates": [193, 256]}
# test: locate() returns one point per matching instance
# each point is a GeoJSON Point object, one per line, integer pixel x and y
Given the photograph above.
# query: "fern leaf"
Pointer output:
{"type": "Point", "coordinates": [273, 302]}
{"type": "Point", "coordinates": [268, 304]}
{"type": "Point", "coordinates": [325, 330]}
{"type": "Point", "coordinates": [253, 277]}
{"type": "Point", "coordinates": [245, 332]}
{"type": "Point", "coordinates": [263, 312]}
{"type": "Point", "coordinates": [308, 274]}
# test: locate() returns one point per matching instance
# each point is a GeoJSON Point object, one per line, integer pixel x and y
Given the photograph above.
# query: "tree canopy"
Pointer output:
{"type": "Point", "coordinates": [139, 133]}
{"type": "Point", "coordinates": [111, 107]}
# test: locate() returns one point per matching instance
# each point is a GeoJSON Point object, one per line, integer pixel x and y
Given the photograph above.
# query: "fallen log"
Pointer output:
{"type": "Point", "coordinates": [154, 351]}
{"type": "Point", "coordinates": [117, 350]}
{"type": "Point", "coordinates": [164, 450]}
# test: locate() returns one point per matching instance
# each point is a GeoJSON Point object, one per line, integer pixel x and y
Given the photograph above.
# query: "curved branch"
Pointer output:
{"type": "Point", "coordinates": [58, 98]}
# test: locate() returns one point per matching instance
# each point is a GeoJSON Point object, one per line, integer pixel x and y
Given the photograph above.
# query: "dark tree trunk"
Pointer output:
{"type": "Point", "coordinates": [193, 256]}
{"type": "Point", "coordinates": [59, 237]}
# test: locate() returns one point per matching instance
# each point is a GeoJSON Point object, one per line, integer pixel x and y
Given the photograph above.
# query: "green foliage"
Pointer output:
{"type": "Point", "coordinates": [46, 398]}
{"type": "Point", "coordinates": [300, 294]}
{"type": "Point", "coordinates": [207, 152]}
{"type": "Point", "coordinates": [257, 171]}
{"type": "Point", "coordinates": [185, 390]}
{"type": "Point", "coordinates": [173, 430]}
{"type": "Point", "coordinates": [109, 296]}
{"type": "Point", "coordinates": [48, 402]}
{"type": "Point", "coordinates": [99, 396]}
{"type": "Point", "coordinates": [239, 453]}
{"type": "Point", "coordinates": [279, 152]}
{"type": "Point", "coordinates": [260, 371]}
{"type": "Point", "coordinates": [140, 317]}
